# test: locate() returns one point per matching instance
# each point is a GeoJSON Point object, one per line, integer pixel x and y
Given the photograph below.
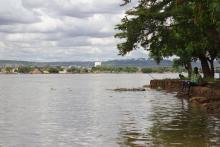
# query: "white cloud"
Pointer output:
{"type": "Point", "coordinates": [12, 12]}
{"type": "Point", "coordinates": [67, 30]}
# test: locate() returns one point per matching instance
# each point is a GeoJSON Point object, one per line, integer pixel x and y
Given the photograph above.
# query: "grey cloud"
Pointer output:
{"type": "Point", "coordinates": [72, 42]}
{"type": "Point", "coordinates": [12, 12]}
{"type": "Point", "coordinates": [74, 8]}
{"type": "Point", "coordinates": [66, 30]}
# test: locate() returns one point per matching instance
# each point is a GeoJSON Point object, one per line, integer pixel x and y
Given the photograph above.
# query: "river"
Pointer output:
{"type": "Point", "coordinates": [81, 110]}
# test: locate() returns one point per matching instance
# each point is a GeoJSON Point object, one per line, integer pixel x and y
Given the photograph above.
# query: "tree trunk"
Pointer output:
{"type": "Point", "coordinates": [188, 67]}
{"type": "Point", "coordinates": [205, 67]}
{"type": "Point", "coordinates": [214, 34]}
{"type": "Point", "coordinates": [211, 62]}
{"type": "Point", "coordinates": [212, 55]}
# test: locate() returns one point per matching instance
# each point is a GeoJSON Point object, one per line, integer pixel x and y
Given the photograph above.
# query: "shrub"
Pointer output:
{"type": "Point", "coordinates": [73, 70]}
{"type": "Point", "coordinates": [24, 69]}
{"type": "Point", "coordinates": [147, 70]}
{"type": "Point", "coordinates": [53, 70]}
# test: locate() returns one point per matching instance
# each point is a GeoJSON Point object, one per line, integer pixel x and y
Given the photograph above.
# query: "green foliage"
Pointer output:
{"type": "Point", "coordinates": [130, 69]}
{"type": "Point", "coordinates": [84, 70]}
{"type": "Point", "coordinates": [8, 69]}
{"type": "Point", "coordinates": [189, 30]}
{"type": "Point", "coordinates": [162, 70]}
{"type": "Point", "coordinates": [53, 70]}
{"type": "Point", "coordinates": [110, 69]}
{"type": "Point", "coordinates": [24, 69]}
{"type": "Point", "coordinates": [73, 70]}
{"type": "Point", "coordinates": [60, 68]}
{"type": "Point", "coordinates": [147, 70]}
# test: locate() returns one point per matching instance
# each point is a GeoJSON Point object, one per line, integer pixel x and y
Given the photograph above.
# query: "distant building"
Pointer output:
{"type": "Point", "coordinates": [98, 64]}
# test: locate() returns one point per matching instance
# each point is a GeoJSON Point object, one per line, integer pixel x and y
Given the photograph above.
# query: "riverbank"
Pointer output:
{"type": "Point", "coordinates": [207, 97]}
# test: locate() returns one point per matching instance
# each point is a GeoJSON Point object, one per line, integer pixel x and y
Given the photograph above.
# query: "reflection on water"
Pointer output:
{"type": "Point", "coordinates": [173, 125]}
{"type": "Point", "coordinates": [79, 111]}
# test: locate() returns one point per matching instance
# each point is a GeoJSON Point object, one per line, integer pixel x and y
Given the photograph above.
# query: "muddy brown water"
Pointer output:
{"type": "Point", "coordinates": [79, 111]}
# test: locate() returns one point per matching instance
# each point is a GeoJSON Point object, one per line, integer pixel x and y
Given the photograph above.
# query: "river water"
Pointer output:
{"type": "Point", "coordinates": [83, 111]}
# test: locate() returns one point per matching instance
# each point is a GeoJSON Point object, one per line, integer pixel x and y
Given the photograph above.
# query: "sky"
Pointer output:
{"type": "Point", "coordinates": [61, 30]}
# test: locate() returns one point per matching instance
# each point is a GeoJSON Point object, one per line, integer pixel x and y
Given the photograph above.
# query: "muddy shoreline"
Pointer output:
{"type": "Point", "coordinates": [207, 97]}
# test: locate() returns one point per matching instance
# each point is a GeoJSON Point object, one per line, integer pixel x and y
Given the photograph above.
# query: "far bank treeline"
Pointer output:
{"type": "Point", "coordinates": [77, 70]}
{"type": "Point", "coordinates": [186, 29]}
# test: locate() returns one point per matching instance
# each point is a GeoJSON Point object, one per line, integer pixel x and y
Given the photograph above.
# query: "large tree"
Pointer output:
{"type": "Point", "coordinates": [187, 29]}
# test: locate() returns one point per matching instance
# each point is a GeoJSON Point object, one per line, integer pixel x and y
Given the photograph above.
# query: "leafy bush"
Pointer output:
{"type": "Point", "coordinates": [131, 69]}
{"type": "Point", "coordinates": [24, 69]}
{"type": "Point", "coordinates": [53, 70]}
{"type": "Point", "coordinates": [110, 69]}
{"type": "Point", "coordinates": [73, 70]}
{"type": "Point", "coordinates": [8, 69]}
{"type": "Point", "coordinates": [147, 70]}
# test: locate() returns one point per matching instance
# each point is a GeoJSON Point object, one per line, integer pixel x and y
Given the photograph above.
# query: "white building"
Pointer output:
{"type": "Point", "coordinates": [98, 64]}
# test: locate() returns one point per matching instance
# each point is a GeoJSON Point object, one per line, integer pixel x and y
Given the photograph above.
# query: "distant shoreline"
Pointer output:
{"type": "Point", "coordinates": [85, 73]}
{"type": "Point", "coordinates": [83, 70]}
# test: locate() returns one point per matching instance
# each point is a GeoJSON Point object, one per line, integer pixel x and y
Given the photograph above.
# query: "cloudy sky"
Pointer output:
{"type": "Point", "coordinates": [60, 30]}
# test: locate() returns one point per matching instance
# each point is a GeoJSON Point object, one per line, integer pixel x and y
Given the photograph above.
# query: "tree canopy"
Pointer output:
{"type": "Point", "coordinates": [188, 29]}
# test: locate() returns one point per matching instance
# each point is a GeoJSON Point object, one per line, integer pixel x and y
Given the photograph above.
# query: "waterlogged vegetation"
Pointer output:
{"type": "Point", "coordinates": [98, 69]}
{"type": "Point", "coordinates": [53, 70]}
{"type": "Point", "coordinates": [24, 69]}
{"type": "Point", "coordinates": [115, 69]}
{"type": "Point", "coordinates": [78, 70]}
{"type": "Point", "coordinates": [163, 69]}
